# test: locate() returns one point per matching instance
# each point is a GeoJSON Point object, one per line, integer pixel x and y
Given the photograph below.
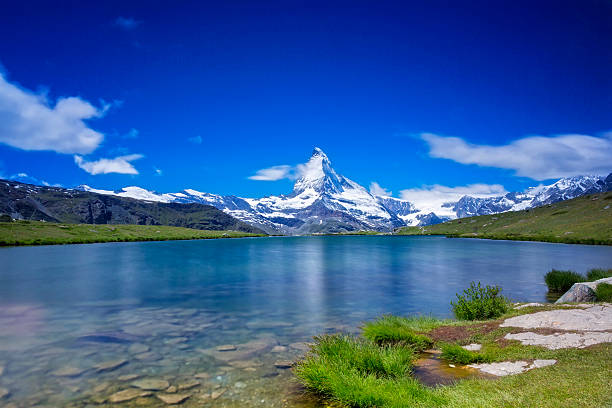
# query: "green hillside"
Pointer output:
{"type": "Point", "coordinates": [583, 220]}
{"type": "Point", "coordinates": [47, 233]}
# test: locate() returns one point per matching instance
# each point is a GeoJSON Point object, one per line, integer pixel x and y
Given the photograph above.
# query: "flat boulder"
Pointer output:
{"type": "Point", "coordinates": [582, 291]}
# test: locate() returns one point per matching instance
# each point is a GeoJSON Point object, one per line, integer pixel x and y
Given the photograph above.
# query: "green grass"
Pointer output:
{"type": "Point", "coordinates": [46, 233]}
{"type": "Point", "coordinates": [603, 292]}
{"type": "Point", "coordinates": [459, 355]}
{"type": "Point", "coordinates": [596, 274]}
{"type": "Point", "coordinates": [583, 220]}
{"type": "Point", "coordinates": [345, 378]}
{"type": "Point", "coordinates": [359, 373]}
{"type": "Point", "coordinates": [392, 329]}
{"type": "Point", "coordinates": [562, 281]}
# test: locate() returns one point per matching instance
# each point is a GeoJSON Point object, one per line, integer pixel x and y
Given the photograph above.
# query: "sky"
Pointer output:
{"type": "Point", "coordinates": [406, 98]}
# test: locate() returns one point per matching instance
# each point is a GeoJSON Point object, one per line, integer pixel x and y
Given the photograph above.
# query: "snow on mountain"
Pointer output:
{"type": "Point", "coordinates": [324, 201]}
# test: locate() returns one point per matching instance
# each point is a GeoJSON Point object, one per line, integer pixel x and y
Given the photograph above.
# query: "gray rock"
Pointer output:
{"type": "Point", "coordinates": [511, 367]}
{"type": "Point", "coordinates": [473, 347]}
{"type": "Point", "coordinates": [582, 292]}
{"type": "Point", "coordinates": [4, 392]}
{"type": "Point", "coordinates": [561, 340]}
{"type": "Point", "coordinates": [593, 318]}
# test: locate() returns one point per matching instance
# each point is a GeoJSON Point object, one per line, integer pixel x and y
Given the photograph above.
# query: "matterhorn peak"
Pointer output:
{"type": "Point", "coordinates": [317, 174]}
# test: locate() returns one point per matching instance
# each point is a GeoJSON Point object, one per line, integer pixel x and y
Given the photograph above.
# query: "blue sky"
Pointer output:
{"type": "Point", "coordinates": [203, 95]}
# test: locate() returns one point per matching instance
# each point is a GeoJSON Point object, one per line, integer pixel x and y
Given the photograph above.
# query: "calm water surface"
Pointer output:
{"type": "Point", "coordinates": [80, 323]}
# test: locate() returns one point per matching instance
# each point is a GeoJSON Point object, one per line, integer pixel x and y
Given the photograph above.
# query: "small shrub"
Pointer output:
{"type": "Point", "coordinates": [459, 355]}
{"type": "Point", "coordinates": [603, 292]}
{"type": "Point", "coordinates": [561, 281]}
{"type": "Point", "coordinates": [478, 303]}
{"type": "Point", "coordinates": [596, 274]}
{"type": "Point", "coordinates": [393, 330]}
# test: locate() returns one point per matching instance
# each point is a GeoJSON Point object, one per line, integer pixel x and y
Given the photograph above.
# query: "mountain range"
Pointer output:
{"type": "Point", "coordinates": [56, 204]}
{"type": "Point", "coordinates": [323, 201]}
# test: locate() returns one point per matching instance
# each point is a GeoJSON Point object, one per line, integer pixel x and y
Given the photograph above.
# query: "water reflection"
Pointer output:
{"type": "Point", "coordinates": [90, 324]}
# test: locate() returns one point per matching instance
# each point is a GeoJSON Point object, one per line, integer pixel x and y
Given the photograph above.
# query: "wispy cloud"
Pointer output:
{"type": "Point", "coordinates": [377, 190]}
{"type": "Point", "coordinates": [131, 134]}
{"type": "Point", "coordinates": [26, 178]}
{"type": "Point", "coordinates": [127, 23]}
{"type": "Point", "coordinates": [536, 157]}
{"type": "Point", "coordinates": [274, 173]}
{"type": "Point", "coordinates": [431, 198]}
{"type": "Point", "coordinates": [158, 172]}
{"type": "Point", "coordinates": [195, 139]}
{"type": "Point", "coordinates": [29, 121]}
{"type": "Point", "coordinates": [119, 164]}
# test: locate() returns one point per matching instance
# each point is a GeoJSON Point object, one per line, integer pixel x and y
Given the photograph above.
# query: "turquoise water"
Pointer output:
{"type": "Point", "coordinates": [80, 323]}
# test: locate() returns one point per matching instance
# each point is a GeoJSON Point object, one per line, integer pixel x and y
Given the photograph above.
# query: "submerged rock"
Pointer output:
{"type": "Point", "coordinates": [216, 394]}
{"type": "Point", "coordinates": [283, 364]}
{"type": "Point", "coordinates": [128, 395]}
{"type": "Point", "coordinates": [68, 372]}
{"type": "Point", "coordinates": [188, 385]}
{"type": "Point", "coordinates": [151, 384]}
{"type": "Point", "coordinates": [4, 392]}
{"type": "Point", "coordinates": [128, 377]}
{"type": "Point", "coordinates": [226, 347]}
{"type": "Point", "coordinates": [172, 399]}
{"type": "Point", "coordinates": [110, 365]}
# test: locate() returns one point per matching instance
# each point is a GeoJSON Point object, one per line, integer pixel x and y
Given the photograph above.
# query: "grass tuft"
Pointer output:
{"type": "Point", "coordinates": [393, 329]}
{"type": "Point", "coordinates": [603, 292]}
{"type": "Point", "coordinates": [459, 355]}
{"type": "Point", "coordinates": [360, 373]}
{"type": "Point", "coordinates": [561, 281]}
{"type": "Point", "coordinates": [596, 274]}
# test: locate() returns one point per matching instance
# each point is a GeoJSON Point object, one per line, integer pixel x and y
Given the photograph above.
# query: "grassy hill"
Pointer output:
{"type": "Point", "coordinates": [583, 220]}
{"type": "Point", "coordinates": [47, 233]}
{"type": "Point", "coordinates": [60, 205]}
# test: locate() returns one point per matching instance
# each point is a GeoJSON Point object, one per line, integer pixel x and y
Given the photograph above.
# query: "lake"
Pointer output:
{"type": "Point", "coordinates": [80, 324]}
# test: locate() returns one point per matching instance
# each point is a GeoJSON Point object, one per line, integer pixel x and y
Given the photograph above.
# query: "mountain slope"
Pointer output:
{"type": "Point", "coordinates": [26, 201]}
{"type": "Point", "coordinates": [586, 219]}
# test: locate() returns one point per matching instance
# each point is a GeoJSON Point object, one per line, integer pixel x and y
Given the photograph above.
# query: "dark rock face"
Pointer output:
{"type": "Point", "coordinates": [53, 204]}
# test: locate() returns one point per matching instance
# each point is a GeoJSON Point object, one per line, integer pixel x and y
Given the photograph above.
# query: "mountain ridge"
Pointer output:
{"type": "Point", "coordinates": [323, 200]}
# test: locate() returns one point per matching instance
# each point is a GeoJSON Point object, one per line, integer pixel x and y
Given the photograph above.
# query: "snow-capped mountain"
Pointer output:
{"type": "Point", "coordinates": [322, 201]}
{"type": "Point", "coordinates": [325, 201]}
{"type": "Point", "coordinates": [564, 189]}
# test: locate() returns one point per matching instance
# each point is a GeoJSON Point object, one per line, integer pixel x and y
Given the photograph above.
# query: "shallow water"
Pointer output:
{"type": "Point", "coordinates": [77, 321]}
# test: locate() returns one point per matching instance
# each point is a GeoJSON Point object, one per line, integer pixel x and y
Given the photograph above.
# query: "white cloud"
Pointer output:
{"type": "Point", "coordinates": [274, 173]}
{"type": "Point", "coordinates": [26, 178]}
{"type": "Point", "coordinates": [377, 190]}
{"type": "Point", "coordinates": [158, 172]}
{"type": "Point", "coordinates": [127, 23]}
{"type": "Point", "coordinates": [119, 165]}
{"type": "Point", "coordinates": [131, 134]}
{"type": "Point", "coordinates": [431, 198]}
{"type": "Point", "coordinates": [29, 122]}
{"type": "Point", "coordinates": [536, 157]}
{"type": "Point", "coordinates": [195, 139]}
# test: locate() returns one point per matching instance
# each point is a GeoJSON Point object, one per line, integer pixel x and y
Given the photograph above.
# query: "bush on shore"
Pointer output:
{"type": "Point", "coordinates": [480, 303]}
{"type": "Point", "coordinates": [603, 292]}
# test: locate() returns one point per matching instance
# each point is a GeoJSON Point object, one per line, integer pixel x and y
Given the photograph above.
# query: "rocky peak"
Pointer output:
{"type": "Point", "coordinates": [318, 175]}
